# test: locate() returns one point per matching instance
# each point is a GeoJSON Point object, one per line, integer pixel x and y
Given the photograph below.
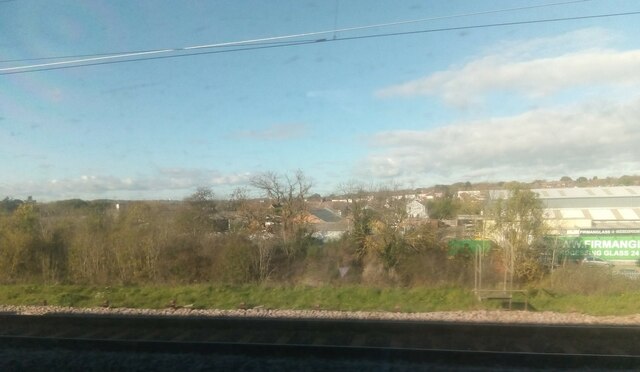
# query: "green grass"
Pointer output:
{"type": "Point", "coordinates": [226, 297]}
{"type": "Point", "coordinates": [597, 304]}
{"type": "Point", "coordinates": [348, 298]}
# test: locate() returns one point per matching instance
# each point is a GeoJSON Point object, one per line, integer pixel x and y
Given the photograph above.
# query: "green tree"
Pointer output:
{"type": "Point", "coordinates": [361, 216]}
{"type": "Point", "coordinates": [443, 208]}
{"type": "Point", "coordinates": [20, 242]}
{"type": "Point", "coordinates": [519, 229]}
{"type": "Point", "coordinates": [627, 180]}
{"type": "Point", "coordinates": [8, 205]}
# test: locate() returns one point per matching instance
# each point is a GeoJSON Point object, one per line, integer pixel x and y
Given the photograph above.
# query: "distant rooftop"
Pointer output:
{"type": "Point", "coordinates": [577, 192]}
{"type": "Point", "coordinates": [619, 203]}
{"type": "Point", "coordinates": [594, 214]}
{"type": "Point", "coordinates": [326, 215]}
{"type": "Point", "coordinates": [588, 192]}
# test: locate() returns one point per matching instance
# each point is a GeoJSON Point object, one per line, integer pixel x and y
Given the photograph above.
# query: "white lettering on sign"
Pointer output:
{"type": "Point", "coordinates": [612, 244]}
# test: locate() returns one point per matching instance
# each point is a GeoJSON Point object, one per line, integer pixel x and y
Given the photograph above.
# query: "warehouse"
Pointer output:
{"type": "Point", "coordinates": [605, 221]}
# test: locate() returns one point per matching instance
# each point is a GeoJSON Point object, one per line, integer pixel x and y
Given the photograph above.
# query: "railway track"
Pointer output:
{"type": "Point", "coordinates": [438, 345]}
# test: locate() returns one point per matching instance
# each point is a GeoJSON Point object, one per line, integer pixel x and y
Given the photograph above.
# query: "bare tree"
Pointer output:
{"type": "Point", "coordinates": [287, 194]}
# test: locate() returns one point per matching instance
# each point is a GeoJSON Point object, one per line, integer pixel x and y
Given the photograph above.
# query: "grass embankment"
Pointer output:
{"type": "Point", "coordinates": [348, 298]}
{"type": "Point", "coordinates": [225, 297]}
{"type": "Point", "coordinates": [601, 304]}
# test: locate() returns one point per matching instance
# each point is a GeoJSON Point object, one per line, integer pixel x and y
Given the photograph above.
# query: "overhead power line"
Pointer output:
{"type": "Point", "coordinates": [126, 52]}
{"type": "Point", "coordinates": [259, 41]}
{"type": "Point", "coordinates": [247, 48]}
{"type": "Point", "coordinates": [7, 71]}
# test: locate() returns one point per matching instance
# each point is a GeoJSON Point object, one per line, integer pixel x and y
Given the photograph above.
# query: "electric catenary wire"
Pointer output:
{"type": "Point", "coordinates": [120, 55]}
{"type": "Point", "coordinates": [249, 47]}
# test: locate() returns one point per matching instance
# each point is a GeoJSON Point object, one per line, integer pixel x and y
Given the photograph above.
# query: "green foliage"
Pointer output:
{"type": "Point", "coordinates": [362, 229]}
{"type": "Point", "coordinates": [519, 230]}
{"type": "Point", "coordinates": [70, 204]}
{"type": "Point", "coordinates": [443, 208]}
{"type": "Point", "coordinates": [147, 243]}
{"type": "Point", "coordinates": [244, 262]}
{"type": "Point", "coordinates": [627, 180]}
{"type": "Point", "coordinates": [8, 205]}
{"type": "Point", "coordinates": [21, 243]}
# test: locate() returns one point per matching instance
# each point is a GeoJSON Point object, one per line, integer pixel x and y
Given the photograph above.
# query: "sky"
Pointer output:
{"type": "Point", "coordinates": [435, 101]}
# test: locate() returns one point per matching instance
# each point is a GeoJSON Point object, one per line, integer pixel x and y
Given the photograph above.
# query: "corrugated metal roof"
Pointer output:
{"type": "Point", "coordinates": [588, 192]}
{"type": "Point", "coordinates": [618, 197]}
{"type": "Point", "coordinates": [602, 214]}
{"type": "Point", "coordinates": [616, 224]}
{"type": "Point", "coordinates": [595, 214]}
{"type": "Point", "coordinates": [628, 214]}
{"type": "Point", "coordinates": [576, 192]}
{"type": "Point", "coordinates": [617, 214]}
{"type": "Point", "coordinates": [572, 213]}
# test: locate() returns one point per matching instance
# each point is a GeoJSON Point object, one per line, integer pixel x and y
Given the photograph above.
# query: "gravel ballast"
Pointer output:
{"type": "Point", "coordinates": [479, 316]}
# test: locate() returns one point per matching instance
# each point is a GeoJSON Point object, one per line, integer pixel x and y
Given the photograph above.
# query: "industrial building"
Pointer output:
{"type": "Point", "coordinates": [603, 220]}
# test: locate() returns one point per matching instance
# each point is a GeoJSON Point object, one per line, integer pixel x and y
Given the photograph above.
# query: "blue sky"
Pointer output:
{"type": "Point", "coordinates": [520, 102]}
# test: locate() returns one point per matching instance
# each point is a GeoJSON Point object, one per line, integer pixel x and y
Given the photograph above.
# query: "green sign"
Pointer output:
{"type": "Point", "coordinates": [614, 247]}
{"type": "Point", "coordinates": [463, 246]}
{"type": "Point", "coordinates": [607, 247]}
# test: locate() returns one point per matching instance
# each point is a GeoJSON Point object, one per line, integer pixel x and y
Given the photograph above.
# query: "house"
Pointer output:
{"type": "Point", "coordinates": [415, 209]}
{"type": "Point", "coordinates": [328, 224]}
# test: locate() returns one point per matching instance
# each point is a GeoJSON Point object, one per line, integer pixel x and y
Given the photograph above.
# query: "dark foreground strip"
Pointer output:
{"type": "Point", "coordinates": [441, 358]}
{"type": "Point", "coordinates": [459, 345]}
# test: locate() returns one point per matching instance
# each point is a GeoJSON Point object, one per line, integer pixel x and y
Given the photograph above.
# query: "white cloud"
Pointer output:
{"type": "Point", "coordinates": [592, 138]}
{"type": "Point", "coordinates": [534, 68]}
{"type": "Point", "coordinates": [172, 182]}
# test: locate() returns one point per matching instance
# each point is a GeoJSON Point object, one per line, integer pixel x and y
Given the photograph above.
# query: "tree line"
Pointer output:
{"type": "Point", "coordinates": [240, 240]}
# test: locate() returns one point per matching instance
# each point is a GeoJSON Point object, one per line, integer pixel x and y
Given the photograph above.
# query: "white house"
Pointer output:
{"type": "Point", "coordinates": [415, 209]}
